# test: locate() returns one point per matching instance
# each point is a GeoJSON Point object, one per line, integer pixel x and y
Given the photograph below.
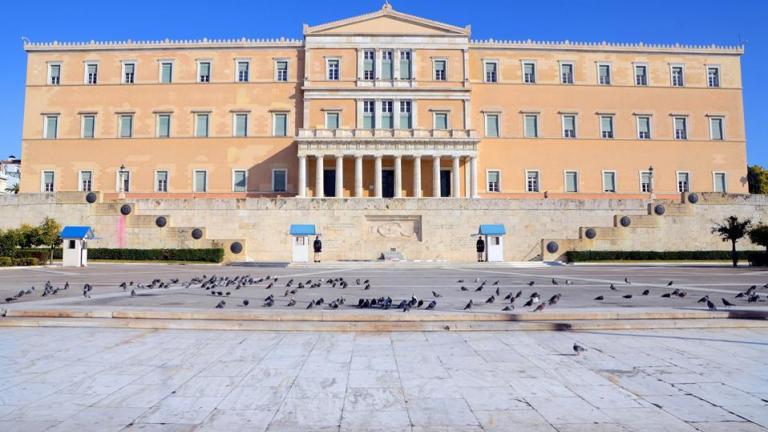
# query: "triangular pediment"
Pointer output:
{"type": "Point", "coordinates": [386, 21]}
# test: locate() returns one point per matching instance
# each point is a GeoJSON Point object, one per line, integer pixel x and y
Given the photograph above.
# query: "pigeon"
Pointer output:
{"type": "Point", "coordinates": [540, 307]}
{"type": "Point", "coordinates": [480, 288]}
{"type": "Point", "coordinates": [626, 280]}
{"type": "Point", "coordinates": [519, 293]}
{"type": "Point", "coordinates": [646, 292]}
{"type": "Point", "coordinates": [669, 284]}
{"type": "Point", "coordinates": [667, 295]}
{"type": "Point", "coordinates": [703, 299]}
{"type": "Point", "coordinates": [431, 305]}
{"type": "Point", "coordinates": [599, 298]}
{"type": "Point", "coordinates": [726, 302]}
{"type": "Point", "coordinates": [268, 303]}
{"type": "Point", "coordinates": [460, 281]}
{"type": "Point", "coordinates": [530, 283]}
{"type": "Point", "coordinates": [496, 283]}
{"type": "Point", "coordinates": [497, 291]}
{"type": "Point", "coordinates": [528, 303]}
{"type": "Point", "coordinates": [133, 293]}
{"type": "Point", "coordinates": [367, 287]}
{"type": "Point", "coordinates": [554, 299]}
{"type": "Point", "coordinates": [469, 305]}
{"type": "Point", "coordinates": [463, 288]}
{"type": "Point", "coordinates": [612, 287]}
{"type": "Point", "coordinates": [627, 296]}
{"type": "Point", "coordinates": [221, 304]}
{"type": "Point", "coordinates": [554, 282]}
{"type": "Point", "coordinates": [246, 302]}
{"type": "Point", "coordinates": [436, 295]}
{"type": "Point", "coordinates": [311, 304]}
{"type": "Point", "coordinates": [508, 308]}
{"type": "Point", "coordinates": [490, 299]}
{"type": "Point", "coordinates": [578, 349]}
{"type": "Point", "coordinates": [711, 306]}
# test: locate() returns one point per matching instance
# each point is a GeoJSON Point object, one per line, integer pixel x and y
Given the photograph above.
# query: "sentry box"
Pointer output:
{"type": "Point", "coordinates": [75, 245]}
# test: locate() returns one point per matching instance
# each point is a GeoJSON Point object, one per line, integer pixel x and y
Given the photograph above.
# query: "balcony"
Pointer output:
{"type": "Point", "coordinates": [421, 141]}
{"type": "Point", "coordinates": [385, 134]}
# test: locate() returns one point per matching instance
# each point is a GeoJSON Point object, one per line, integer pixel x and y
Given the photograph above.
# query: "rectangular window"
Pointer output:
{"type": "Point", "coordinates": [332, 120]}
{"type": "Point", "coordinates": [241, 124]}
{"type": "Point", "coordinates": [86, 181]}
{"type": "Point", "coordinates": [645, 181]}
{"type": "Point", "coordinates": [721, 184]}
{"type": "Point", "coordinates": [279, 180]}
{"type": "Point", "coordinates": [405, 114]}
{"type": "Point", "coordinates": [163, 125]}
{"type": "Point", "coordinates": [441, 120]}
{"type": "Point", "coordinates": [677, 76]}
{"type": "Point", "coordinates": [51, 127]}
{"type": "Point", "coordinates": [405, 64]}
{"type": "Point", "coordinates": [369, 109]}
{"type": "Point", "coordinates": [492, 125]}
{"type": "Point", "coordinates": [48, 182]}
{"type": "Point", "coordinates": [609, 181]}
{"type": "Point", "coordinates": [89, 126]}
{"type": "Point", "coordinates": [204, 71]}
{"type": "Point", "coordinates": [129, 72]}
{"type": "Point", "coordinates": [569, 126]}
{"type": "Point", "coordinates": [239, 180]}
{"type": "Point", "coordinates": [716, 128]}
{"type": "Point", "coordinates": [440, 74]}
{"type": "Point", "coordinates": [531, 181]}
{"type": "Point", "coordinates": [166, 72]}
{"type": "Point", "coordinates": [387, 65]}
{"type": "Point", "coordinates": [386, 114]}
{"type": "Point", "coordinates": [201, 125]}
{"type": "Point", "coordinates": [571, 181]}
{"type": "Point", "coordinates": [606, 126]}
{"type": "Point", "coordinates": [641, 75]}
{"type": "Point", "coordinates": [531, 125]}
{"type": "Point", "coordinates": [126, 125]}
{"type": "Point", "coordinates": [280, 124]}
{"type": "Point", "coordinates": [201, 181]}
{"type": "Point", "coordinates": [161, 181]}
{"type": "Point", "coordinates": [566, 73]}
{"type": "Point", "coordinates": [529, 72]}
{"type": "Point", "coordinates": [643, 127]}
{"type": "Point", "coordinates": [683, 182]}
{"type": "Point", "coordinates": [681, 128]}
{"type": "Point", "coordinates": [281, 70]}
{"type": "Point", "coordinates": [604, 74]}
{"type": "Point", "coordinates": [123, 181]}
{"type": "Point", "coordinates": [491, 75]}
{"type": "Point", "coordinates": [91, 73]}
{"type": "Point", "coordinates": [332, 67]}
{"type": "Point", "coordinates": [713, 76]}
{"type": "Point", "coordinates": [494, 181]}
{"type": "Point", "coordinates": [54, 74]}
{"type": "Point", "coordinates": [369, 65]}
{"type": "Point", "coordinates": [243, 70]}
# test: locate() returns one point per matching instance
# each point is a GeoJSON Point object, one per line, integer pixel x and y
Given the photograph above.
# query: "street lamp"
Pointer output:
{"type": "Point", "coordinates": [650, 180]}
{"type": "Point", "coordinates": [122, 172]}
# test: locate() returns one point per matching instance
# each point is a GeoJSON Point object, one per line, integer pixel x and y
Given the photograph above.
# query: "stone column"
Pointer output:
{"type": "Point", "coordinates": [319, 171]}
{"type": "Point", "coordinates": [456, 184]}
{"type": "Point", "coordinates": [398, 176]}
{"type": "Point", "coordinates": [473, 177]}
{"type": "Point", "coordinates": [436, 176]}
{"type": "Point", "coordinates": [377, 183]}
{"type": "Point", "coordinates": [339, 176]}
{"type": "Point", "coordinates": [302, 192]}
{"type": "Point", "coordinates": [417, 177]}
{"type": "Point", "coordinates": [358, 176]}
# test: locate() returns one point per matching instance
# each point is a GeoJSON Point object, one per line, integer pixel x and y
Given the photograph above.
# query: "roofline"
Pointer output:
{"type": "Point", "coordinates": [163, 44]}
{"type": "Point", "coordinates": [607, 46]}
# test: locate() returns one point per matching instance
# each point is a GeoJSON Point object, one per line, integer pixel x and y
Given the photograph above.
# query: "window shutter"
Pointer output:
{"type": "Point", "coordinates": [492, 125]}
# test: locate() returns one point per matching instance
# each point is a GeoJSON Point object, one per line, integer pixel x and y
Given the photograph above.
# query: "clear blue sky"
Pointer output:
{"type": "Point", "coordinates": [650, 21]}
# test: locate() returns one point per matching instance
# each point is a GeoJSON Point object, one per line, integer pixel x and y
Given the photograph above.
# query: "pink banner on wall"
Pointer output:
{"type": "Point", "coordinates": [121, 232]}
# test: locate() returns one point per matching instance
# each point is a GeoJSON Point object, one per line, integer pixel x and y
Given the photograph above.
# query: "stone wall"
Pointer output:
{"type": "Point", "coordinates": [421, 229]}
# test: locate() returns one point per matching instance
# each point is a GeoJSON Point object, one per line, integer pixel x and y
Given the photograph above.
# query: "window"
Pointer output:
{"type": "Point", "coordinates": [161, 181]}
{"type": "Point", "coordinates": [163, 125]}
{"type": "Point", "coordinates": [494, 181]}
{"type": "Point", "coordinates": [439, 66]}
{"type": "Point", "coordinates": [683, 182]}
{"type": "Point", "coordinates": [369, 109]}
{"type": "Point", "coordinates": [386, 114]}
{"type": "Point", "coordinates": [529, 72]}
{"type": "Point", "coordinates": [129, 72]}
{"type": "Point", "coordinates": [609, 181]}
{"type": "Point", "coordinates": [645, 181]}
{"type": "Point", "coordinates": [569, 126]}
{"type": "Point", "coordinates": [280, 125]}
{"type": "Point", "coordinates": [86, 181]}
{"type": "Point", "coordinates": [51, 126]}
{"type": "Point", "coordinates": [606, 126]}
{"type": "Point", "coordinates": [201, 181]}
{"type": "Point", "coordinates": [123, 181]}
{"type": "Point", "coordinates": [492, 125]}
{"type": "Point", "coordinates": [201, 124]}
{"type": "Point", "coordinates": [721, 184]}
{"type": "Point", "coordinates": [48, 182]}
{"type": "Point", "coordinates": [531, 125]}
{"type": "Point", "coordinates": [681, 128]}
{"type": "Point", "coordinates": [369, 65]}
{"type": "Point", "coordinates": [405, 64]}
{"type": "Point", "coordinates": [566, 73]}
{"type": "Point", "coordinates": [126, 125]}
{"type": "Point", "coordinates": [332, 66]}
{"type": "Point", "coordinates": [716, 128]}
{"type": "Point", "coordinates": [643, 127]}
{"type": "Point", "coordinates": [204, 71]}
{"type": "Point", "coordinates": [239, 180]}
{"type": "Point", "coordinates": [604, 74]}
{"type": "Point", "coordinates": [240, 128]}
{"type": "Point", "coordinates": [677, 76]}
{"type": "Point", "coordinates": [243, 69]}
{"type": "Point", "coordinates": [54, 73]}
{"type": "Point", "coordinates": [491, 75]}
{"type": "Point", "coordinates": [641, 75]}
{"type": "Point", "coordinates": [281, 70]}
{"type": "Point", "coordinates": [571, 181]}
{"type": "Point", "coordinates": [405, 114]}
{"type": "Point", "coordinates": [91, 73]}
{"type": "Point", "coordinates": [89, 126]}
{"type": "Point", "coordinates": [441, 120]}
{"type": "Point", "coordinates": [713, 76]}
{"type": "Point", "coordinates": [386, 65]}
{"type": "Point", "coordinates": [279, 180]}
{"type": "Point", "coordinates": [166, 72]}
{"type": "Point", "coordinates": [531, 181]}
{"type": "Point", "coordinates": [332, 120]}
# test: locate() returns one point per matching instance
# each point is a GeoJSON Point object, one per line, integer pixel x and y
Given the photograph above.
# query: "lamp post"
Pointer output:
{"type": "Point", "coordinates": [121, 187]}
{"type": "Point", "coordinates": [650, 181]}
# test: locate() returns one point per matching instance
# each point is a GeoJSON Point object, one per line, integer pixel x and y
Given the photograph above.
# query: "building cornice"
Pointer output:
{"type": "Point", "coordinates": [162, 44]}
{"type": "Point", "coordinates": [607, 47]}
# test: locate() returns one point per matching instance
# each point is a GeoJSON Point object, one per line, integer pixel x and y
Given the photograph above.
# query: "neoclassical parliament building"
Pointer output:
{"type": "Point", "coordinates": [384, 105]}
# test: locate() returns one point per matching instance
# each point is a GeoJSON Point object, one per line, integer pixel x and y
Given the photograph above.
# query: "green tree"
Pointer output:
{"type": "Point", "coordinates": [757, 177]}
{"type": "Point", "coordinates": [732, 229]}
{"type": "Point", "coordinates": [29, 236]}
{"type": "Point", "coordinates": [49, 231]}
{"type": "Point", "coordinates": [9, 241]}
{"type": "Point", "coordinates": [759, 236]}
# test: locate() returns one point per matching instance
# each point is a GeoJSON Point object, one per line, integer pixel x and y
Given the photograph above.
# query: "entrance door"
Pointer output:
{"type": "Point", "coordinates": [300, 251]}
{"type": "Point", "coordinates": [495, 247]}
{"type": "Point", "coordinates": [329, 183]}
{"type": "Point", "coordinates": [387, 183]}
{"type": "Point", "coordinates": [445, 183]}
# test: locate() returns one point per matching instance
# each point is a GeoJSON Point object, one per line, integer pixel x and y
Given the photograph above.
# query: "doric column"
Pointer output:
{"type": "Point", "coordinates": [436, 176]}
{"type": "Point", "coordinates": [358, 176]}
{"type": "Point", "coordinates": [456, 186]}
{"type": "Point", "coordinates": [473, 177]}
{"type": "Point", "coordinates": [319, 171]}
{"type": "Point", "coordinates": [302, 192]}
{"type": "Point", "coordinates": [377, 183]}
{"type": "Point", "coordinates": [398, 176]}
{"type": "Point", "coordinates": [417, 177]}
{"type": "Point", "coordinates": [339, 176]}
